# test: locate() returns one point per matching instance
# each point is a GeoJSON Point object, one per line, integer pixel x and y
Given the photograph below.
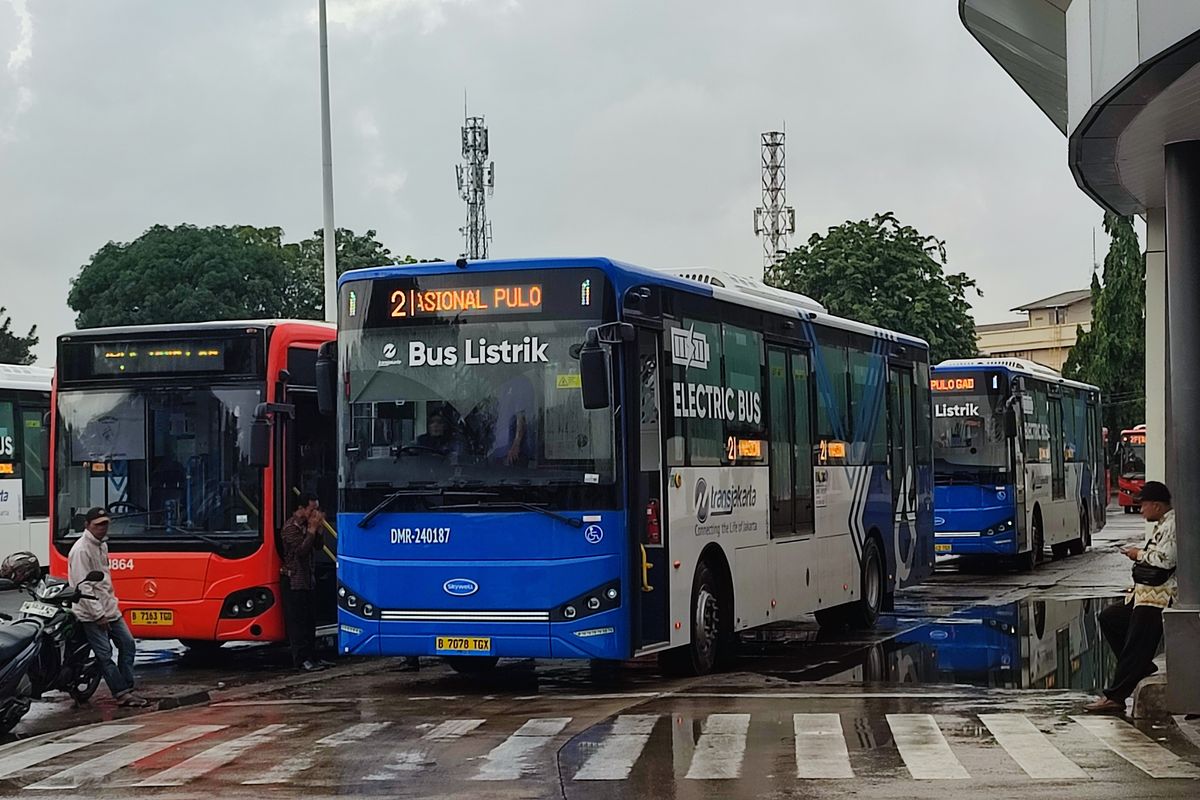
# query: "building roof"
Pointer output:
{"type": "Point", "coordinates": [1060, 300]}
{"type": "Point", "coordinates": [1017, 324]}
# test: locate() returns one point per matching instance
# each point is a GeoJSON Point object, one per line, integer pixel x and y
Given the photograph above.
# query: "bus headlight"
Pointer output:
{"type": "Point", "coordinates": [602, 598]}
{"type": "Point", "coordinates": [356, 604]}
{"type": "Point", "coordinates": [247, 603]}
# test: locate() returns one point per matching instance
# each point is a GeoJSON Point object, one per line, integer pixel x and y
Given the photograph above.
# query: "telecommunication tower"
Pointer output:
{"type": "Point", "coordinates": [774, 220]}
{"type": "Point", "coordinates": [476, 180]}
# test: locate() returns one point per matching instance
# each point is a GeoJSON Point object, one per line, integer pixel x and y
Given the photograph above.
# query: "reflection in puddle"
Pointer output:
{"type": "Point", "coordinates": [1029, 644]}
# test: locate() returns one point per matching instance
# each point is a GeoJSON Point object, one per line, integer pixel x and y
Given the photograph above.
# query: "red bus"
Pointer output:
{"type": "Point", "coordinates": [1131, 459]}
{"type": "Point", "coordinates": [196, 438]}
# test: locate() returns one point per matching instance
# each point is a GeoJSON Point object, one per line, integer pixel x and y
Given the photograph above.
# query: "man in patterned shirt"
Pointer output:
{"type": "Point", "coordinates": [1133, 629]}
{"type": "Point", "coordinates": [301, 537]}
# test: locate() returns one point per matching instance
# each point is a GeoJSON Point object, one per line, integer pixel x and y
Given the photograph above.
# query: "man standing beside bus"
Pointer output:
{"type": "Point", "coordinates": [301, 536]}
{"type": "Point", "coordinates": [100, 614]}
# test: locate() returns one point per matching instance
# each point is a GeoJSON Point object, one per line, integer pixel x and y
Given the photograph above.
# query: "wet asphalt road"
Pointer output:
{"type": "Point", "coordinates": [974, 684]}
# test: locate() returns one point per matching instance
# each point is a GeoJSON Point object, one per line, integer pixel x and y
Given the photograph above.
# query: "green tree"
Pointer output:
{"type": "Point", "coordinates": [15, 349]}
{"type": "Point", "coordinates": [888, 274]}
{"type": "Point", "coordinates": [1112, 355]}
{"type": "Point", "coordinates": [307, 299]}
{"type": "Point", "coordinates": [184, 274]}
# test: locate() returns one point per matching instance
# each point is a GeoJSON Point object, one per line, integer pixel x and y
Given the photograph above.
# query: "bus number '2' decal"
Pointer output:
{"type": "Point", "coordinates": [398, 304]}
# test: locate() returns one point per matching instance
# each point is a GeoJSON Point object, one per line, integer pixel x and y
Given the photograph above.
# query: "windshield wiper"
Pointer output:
{"type": "Point", "coordinates": [424, 492]}
{"type": "Point", "coordinates": [574, 523]}
{"type": "Point", "coordinates": [217, 543]}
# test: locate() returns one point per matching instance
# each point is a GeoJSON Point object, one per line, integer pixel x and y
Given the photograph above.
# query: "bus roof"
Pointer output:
{"type": "Point", "coordinates": [15, 376]}
{"type": "Point", "coordinates": [1015, 366]}
{"type": "Point", "coordinates": [210, 325]}
{"type": "Point", "coordinates": [719, 284]}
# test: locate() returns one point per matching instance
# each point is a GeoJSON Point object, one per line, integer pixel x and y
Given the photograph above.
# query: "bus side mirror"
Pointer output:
{"type": "Point", "coordinates": [260, 443]}
{"type": "Point", "coordinates": [593, 373]}
{"type": "Point", "coordinates": [327, 374]}
{"type": "Point", "coordinates": [1010, 423]}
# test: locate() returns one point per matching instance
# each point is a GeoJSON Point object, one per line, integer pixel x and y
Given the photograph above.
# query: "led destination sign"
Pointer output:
{"type": "Point", "coordinates": [526, 299]}
{"type": "Point", "coordinates": [152, 357]}
{"type": "Point", "coordinates": [952, 384]}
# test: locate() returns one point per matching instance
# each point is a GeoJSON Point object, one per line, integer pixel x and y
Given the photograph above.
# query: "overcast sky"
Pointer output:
{"type": "Point", "coordinates": [627, 128]}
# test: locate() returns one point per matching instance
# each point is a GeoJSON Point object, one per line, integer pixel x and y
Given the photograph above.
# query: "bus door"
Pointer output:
{"type": "Point", "coordinates": [902, 461]}
{"type": "Point", "coordinates": [1022, 407]}
{"type": "Point", "coordinates": [647, 510]}
{"type": "Point", "coordinates": [310, 465]}
{"type": "Point", "coordinates": [1058, 476]}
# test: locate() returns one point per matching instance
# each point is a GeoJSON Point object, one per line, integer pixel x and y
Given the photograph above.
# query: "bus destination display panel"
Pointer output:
{"type": "Point", "coordinates": [554, 294]}
{"type": "Point", "coordinates": [211, 356]}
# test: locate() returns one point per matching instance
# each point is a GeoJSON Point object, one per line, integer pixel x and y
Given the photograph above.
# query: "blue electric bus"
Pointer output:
{"type": "Point", "coordinates": [578, 458]}
{"type": "Point", "coordinates": [1018, 461]}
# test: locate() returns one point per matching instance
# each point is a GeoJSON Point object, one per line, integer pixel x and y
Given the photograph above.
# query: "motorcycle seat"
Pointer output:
{"type": "Point", "coordinates": [15, 638]}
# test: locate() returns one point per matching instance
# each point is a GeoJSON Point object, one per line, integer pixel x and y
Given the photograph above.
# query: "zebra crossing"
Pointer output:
{"type": "Point", "coordinates": [129, 755]}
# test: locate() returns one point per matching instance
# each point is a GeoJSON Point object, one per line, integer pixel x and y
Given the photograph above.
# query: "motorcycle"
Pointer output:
{"type": "Point", "coordinates": [44, 649]}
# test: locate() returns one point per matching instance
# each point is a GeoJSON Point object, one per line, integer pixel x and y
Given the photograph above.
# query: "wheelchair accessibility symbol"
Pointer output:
{"type": "Point", "coordinates": [593, 534]}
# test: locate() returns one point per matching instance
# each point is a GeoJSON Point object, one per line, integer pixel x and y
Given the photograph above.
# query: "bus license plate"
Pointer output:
{"type": "Point", "coordinates": [36, 609]}
{"type": "Point", "coordinates": [152, 617]}
{"type": "Point", "coordinates": [942, 548]}
{"type": "Point", "coordinates": [463, 644]}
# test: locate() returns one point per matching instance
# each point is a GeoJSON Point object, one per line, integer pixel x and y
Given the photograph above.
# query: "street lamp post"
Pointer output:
{"type": "Point", "coordinates": [330, 278]}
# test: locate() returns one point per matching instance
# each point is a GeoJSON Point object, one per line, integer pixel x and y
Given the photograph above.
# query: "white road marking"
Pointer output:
{"type": "Point", "coordinates": [511, 758]}
{"type": "Point", "coordinates": [286, 770]}
{"type": "Point", "coordinates": [1030, 748]}
{"type": "Point", "coordinates": [925, 751]}
{"type": "Point", "coordinates": [215, 757]}
{"type": "Point", "coordinates": [12, 763]}
{"type": "Point", "coordinates": [821, 747]}
{"type": "Point", "coordinates": [720, 749]}
{"type": "Point", "coordinates": [415, 759]}
{"type": "Point", "coordinates": [1137, 748]}
{"type": "Point", "coordinates": [103, 766]}
{"type": "Point", "coordinates": [619, 750]}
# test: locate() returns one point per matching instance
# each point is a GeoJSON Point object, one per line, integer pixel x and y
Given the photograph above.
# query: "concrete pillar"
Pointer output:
{"type": "Point", "coordinates": [1183, 420]}
{"type": "Point", "coordinates": [1156, 347]}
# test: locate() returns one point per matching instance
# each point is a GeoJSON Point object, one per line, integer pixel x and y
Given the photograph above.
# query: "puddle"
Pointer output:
{"type": "Point", "coordinates": [1029, 644]}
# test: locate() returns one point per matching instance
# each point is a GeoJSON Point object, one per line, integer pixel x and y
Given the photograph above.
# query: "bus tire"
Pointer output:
{"type": "Point", "coordinates": [872, 588]}
{"type": "Point", "coordinates": [472, 665]}
{"type": "Point", "coordinates": [1037, 552]}
{"type": "Point", "coordinates": [708, 641]}
{"type": "Point", "coordinates": [1076, 547]}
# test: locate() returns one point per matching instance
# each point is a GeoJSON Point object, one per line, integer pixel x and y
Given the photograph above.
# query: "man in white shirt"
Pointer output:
{"type": "Point", "coordinates": [101, 617]}
{"type": "Point", "coordinates": [1133, 629]}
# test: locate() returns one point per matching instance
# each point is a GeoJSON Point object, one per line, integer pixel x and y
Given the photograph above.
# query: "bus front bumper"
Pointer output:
{"type": "Point", "coordinates": [593, 637]}
{"type": "Point", "coordinates": [950, 544]}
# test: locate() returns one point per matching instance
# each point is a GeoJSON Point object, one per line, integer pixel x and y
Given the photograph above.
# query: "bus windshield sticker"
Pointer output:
{"type": "Point", "coordinates": [594, 534]}
{"type": "Point", "coordinates": [591, 477]}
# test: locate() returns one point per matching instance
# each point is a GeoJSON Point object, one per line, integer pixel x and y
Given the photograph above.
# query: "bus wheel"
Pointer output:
{"type": "Point", "coordinates": [865, 613]}
{"type": "Point", "coordinates": [1038, 551]}
{"type": "Point", "coordinates": [472, 665]}
{"type": "Point", "coordinates": [1077, 546]}
{"type": "Point", "coordinates": [701, 655]}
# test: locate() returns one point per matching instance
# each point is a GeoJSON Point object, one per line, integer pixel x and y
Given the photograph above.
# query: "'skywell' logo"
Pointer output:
{"type": "Point", "coordinates": [688, 348]}
{"type": "Point", "coordinates": [460, 587]}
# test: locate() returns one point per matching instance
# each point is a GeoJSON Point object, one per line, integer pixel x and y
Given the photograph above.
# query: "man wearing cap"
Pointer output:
{"type": "Point", "coordinates": [101, 617]}
{"type": "Point", "coordinates": [1133, 629]}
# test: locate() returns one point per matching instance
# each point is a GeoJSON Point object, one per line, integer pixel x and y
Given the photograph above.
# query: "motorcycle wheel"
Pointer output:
{"type": "Point", "coordinates": [86, 681]}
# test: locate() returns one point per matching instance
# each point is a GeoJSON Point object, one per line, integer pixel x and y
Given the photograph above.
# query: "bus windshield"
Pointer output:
{"type": "Point", "coordinates": [166, 463]}
{"type": "Point", "coordinates": [969, 444]}
{"type": "Point", "coordinates": [471, 404]}
{"type": "Point", "coordinates": [1133, 459]}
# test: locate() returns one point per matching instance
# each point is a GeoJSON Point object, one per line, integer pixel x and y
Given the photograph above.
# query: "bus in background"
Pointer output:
{"type": "Point", "coordinates": [24, 460]}
{"type": "Point", "coordinates": [1131, 460]}
{"type": "Point", "coordinates": [1018, 461]}
{"type": "Point", "coordinates": [196, 438]}
{"type": "Point", "coordinates": [578, 458]}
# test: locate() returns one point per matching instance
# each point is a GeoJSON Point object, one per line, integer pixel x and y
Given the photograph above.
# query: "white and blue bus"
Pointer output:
{"type": "Point", "coordinates": [1018, 461]}
{"type": "Point", "coordinates": [24, 460]}
{"type": "Point", "coordinates": [578, 458]}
